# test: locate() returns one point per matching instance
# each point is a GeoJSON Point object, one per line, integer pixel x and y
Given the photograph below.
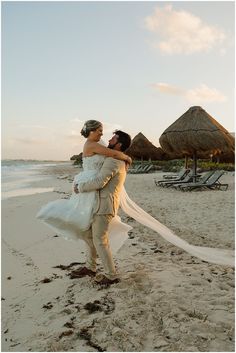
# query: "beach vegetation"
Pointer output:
{"type": "Point", "coordinates": [176, 164]}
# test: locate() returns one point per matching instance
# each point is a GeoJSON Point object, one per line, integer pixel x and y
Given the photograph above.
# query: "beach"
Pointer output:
{"type": "Point", "coordinates": [167, 300]}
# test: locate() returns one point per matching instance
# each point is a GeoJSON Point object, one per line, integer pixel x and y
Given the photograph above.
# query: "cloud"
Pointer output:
{"type": "Point", "coordinates": [180, 32]}
{"type": "Point", "coordinates": [201, 94]}
{"type": "Point", "coordinates": [205, 94]}
{"type": "Point", "coordinates": [169, 89]}
{"type": "Point", "coordinates": [110, 128]}
{"type": "Point", "coordinates": [76, 120]}
{"type": "Point", "coordinates": [28, 140]}
{"type": "Point", "coordinates": [75, 136]}
{"type": "Point", "coordinates": [29, 126]}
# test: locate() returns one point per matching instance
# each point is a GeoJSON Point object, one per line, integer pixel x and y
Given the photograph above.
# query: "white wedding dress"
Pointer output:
{"type": "Point", "coordinates": [69, 217]}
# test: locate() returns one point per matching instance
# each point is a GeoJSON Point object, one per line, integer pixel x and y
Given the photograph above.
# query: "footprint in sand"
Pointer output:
{"type": "Point", "coordinates": [27, 260]}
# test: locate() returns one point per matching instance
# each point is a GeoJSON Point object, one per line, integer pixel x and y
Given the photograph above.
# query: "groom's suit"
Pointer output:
{"type": "Point", "coordinates": [109, 183]}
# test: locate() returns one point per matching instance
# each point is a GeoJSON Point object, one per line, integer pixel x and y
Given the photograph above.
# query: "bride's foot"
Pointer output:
{"type": "Point", "coordinates": [82, 272]}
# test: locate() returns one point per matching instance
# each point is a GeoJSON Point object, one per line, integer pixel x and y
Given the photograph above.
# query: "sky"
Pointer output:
{"type": "Point", "coordinates": [135, 66]}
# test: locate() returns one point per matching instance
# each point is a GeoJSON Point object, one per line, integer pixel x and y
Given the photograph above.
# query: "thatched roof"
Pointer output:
{"type": "Point", "coordinates": [225, 157]}
{"type": "Point", "coordinates": [142, 148]}
{"type": "Point", "coordinates": [196, 131]}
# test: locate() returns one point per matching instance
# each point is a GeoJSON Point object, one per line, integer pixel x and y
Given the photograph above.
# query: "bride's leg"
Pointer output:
{"type": "Point", "coordinates": [91, 256]}
{"type": "Point", "coordinates": [101, 242]}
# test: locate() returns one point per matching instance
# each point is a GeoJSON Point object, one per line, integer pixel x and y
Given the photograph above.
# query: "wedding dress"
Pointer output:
{"type": "Point", "coordinates": [69, 217]}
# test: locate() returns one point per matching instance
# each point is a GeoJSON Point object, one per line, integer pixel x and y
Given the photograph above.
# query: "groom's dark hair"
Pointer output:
{"type": "Point", "coordinates": [124, 139]}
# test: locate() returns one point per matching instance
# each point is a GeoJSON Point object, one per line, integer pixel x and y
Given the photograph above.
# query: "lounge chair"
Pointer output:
{"type": "Point", "coordinates": [135, 169]}
{"type": "Point", "coordinates": [211, 183]}
{"type": "Point", "coordinates": [175, 176]}
{"type": "Point", "coordinates": [139, 170]}
{"type": "Point", "coordinates": [150, 167]}
{"type": "Point", "coordinates": [146, 169]}
{"type": "Point", "coordinates": [163, 182]}
{"type": "Point", "coordinates": [188, 178]}
{"type": "Point", "coordinates": [202, 180]}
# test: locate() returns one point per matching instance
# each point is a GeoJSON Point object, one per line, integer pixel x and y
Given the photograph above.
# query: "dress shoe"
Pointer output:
{"type": "Point", "coordinates": [82, 272]}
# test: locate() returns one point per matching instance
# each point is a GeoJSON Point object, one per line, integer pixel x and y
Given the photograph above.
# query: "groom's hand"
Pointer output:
{"type": "Point", "coordinates": [76, 189]}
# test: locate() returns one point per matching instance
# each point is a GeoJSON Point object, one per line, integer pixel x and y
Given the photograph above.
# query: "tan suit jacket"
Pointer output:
{"type": "Point", "coordinates": [109, 183]}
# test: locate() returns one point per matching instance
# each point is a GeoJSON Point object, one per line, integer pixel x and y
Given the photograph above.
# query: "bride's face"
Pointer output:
{"type": "Point", "coordinates": [96, 134]}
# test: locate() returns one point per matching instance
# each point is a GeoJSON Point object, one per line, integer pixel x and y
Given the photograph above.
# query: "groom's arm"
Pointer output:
{"type": "Point", "coordinates": [110, 168]}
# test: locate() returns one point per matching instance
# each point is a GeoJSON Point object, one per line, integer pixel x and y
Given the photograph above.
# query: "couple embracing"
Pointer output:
{"type": "Point", "coordinates": [91, 212]}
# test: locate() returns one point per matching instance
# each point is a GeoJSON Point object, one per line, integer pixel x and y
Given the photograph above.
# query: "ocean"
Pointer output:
{"type": "Point", "coordinates": [17, 177]}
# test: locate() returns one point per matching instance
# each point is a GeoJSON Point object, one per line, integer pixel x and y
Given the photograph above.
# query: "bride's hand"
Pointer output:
{"type": "Point", "coordinates": [128, 160]}
{"type": "Point", "coordinates": [128, 163]}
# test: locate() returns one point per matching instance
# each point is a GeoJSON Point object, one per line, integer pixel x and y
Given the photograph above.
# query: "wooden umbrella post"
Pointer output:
{"type": "Point", "coordinates": [186, 162]}
{"type": "Point", "coordinates": [195, 166]}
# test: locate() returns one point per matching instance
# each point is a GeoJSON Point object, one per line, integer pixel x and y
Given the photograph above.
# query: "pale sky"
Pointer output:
{"type": "Point", "coordinates": [137, 66]}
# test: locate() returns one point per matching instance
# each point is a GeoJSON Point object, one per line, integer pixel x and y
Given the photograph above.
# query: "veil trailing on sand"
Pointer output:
{"type": "Point", "coordinates": [214, 255]}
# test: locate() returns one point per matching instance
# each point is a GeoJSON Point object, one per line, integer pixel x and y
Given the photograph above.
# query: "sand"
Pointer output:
{"type": "Point", "coordinates": [167, 300]}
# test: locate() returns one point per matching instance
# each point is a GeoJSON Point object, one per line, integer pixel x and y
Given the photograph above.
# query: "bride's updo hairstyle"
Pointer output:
{"type": "Point", "coordinates": [90, 125]}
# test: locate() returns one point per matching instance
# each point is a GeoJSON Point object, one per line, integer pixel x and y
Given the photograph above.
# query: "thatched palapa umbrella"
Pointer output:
{"type": "Point", "coordinates": [142, 148]}
{"type": "Point", "coordinates": [196, 132]}
{"type": "Point", "coordinates": [228, 157]}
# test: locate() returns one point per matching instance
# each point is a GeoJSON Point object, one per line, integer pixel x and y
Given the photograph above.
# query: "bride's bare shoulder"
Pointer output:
{"type": "Point", "coordinates": [89, 148]}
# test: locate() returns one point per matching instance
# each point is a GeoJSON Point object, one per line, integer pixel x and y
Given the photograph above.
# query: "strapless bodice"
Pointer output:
{"type": "Point", "coordinates": [93, 163]}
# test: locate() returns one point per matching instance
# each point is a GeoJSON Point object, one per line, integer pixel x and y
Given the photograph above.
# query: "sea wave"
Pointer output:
{"type": "Point", "coordinates": [20, 174]}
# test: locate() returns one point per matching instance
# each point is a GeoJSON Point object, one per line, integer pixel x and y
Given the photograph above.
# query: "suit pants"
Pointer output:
{"type": "Point", "coordinates": [97, 240]}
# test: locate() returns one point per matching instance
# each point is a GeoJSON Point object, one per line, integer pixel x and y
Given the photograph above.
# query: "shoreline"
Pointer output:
{"type": "Point", "coordinates": [34, 176]}
{"type": "Point", "coordinates": [167, 300]}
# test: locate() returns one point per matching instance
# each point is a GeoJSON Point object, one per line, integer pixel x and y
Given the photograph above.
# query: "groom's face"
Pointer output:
{"type": "Point", "coordinates": [113, 143]}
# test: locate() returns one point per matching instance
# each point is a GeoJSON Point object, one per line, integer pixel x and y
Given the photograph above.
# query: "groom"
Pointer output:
{"type": "Point", "coordinates": [109, 182]}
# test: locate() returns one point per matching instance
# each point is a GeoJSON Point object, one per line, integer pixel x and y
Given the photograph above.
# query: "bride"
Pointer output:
{"type": "Point", "coordinates": [71, 217]}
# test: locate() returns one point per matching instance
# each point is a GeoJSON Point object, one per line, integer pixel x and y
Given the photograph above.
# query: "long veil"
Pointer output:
{"type": "Point", "coordinates": [214, 255]}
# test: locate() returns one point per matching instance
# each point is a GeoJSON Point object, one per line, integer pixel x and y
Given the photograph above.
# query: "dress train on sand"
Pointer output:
{"type": "Point", "coordinates": [214, 255]}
